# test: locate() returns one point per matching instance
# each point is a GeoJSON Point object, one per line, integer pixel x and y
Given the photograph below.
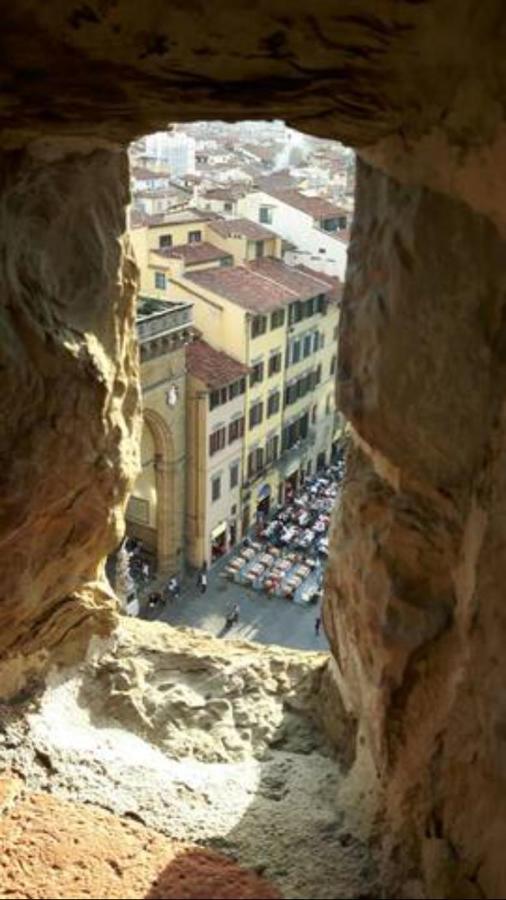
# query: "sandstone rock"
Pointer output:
{"type": "Point", "coordinates": [54, 849]}
{"type": "Point", "coordinates": [193, 695]}
{"type": "Point", "coordinates": [69, 285]}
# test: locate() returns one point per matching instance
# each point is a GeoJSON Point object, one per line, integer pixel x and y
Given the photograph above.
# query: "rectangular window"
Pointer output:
{"type": "Point", "coordinates": [272, 449]}
{"type": "Point", "coordinates": [321, 304]}
{"type": "Point", "coordinates": [224, 395]}
{"type": "Point", "coordinates": [160, 281]}
{"type": "Point", "coordinates": [165, 240]}
{"type": "Point", "coordinates": [256, 414]}
{"type": "Point", "coordinates": [273, 404]}
{"type": "Point", "coordinates": [259, 249]}
{"type": "Point", "coordinates": [291, 393]}
{"type": "Point", "coordinates": [258, 326]}
{"type": "Point", "coordinates": [251, 463]}
{"type": "Point", "coordinates": [316, 341]}
{"type": "Point", "coordinates": [256, 374]}
{"type": "Point", "coordinates": [306, 350]}
{"type": "Point", "coordinates": [277, 318]}
{"type": "Point", "coordinates": [310, 307]}
{"type": "Point", "coordinates": [217, 440]}
{"type": "Point", "coordinates": [260, 459]}
{"type": "Point", "coordinates": [333, 364]}
{"type": "Point", "coordinates": [265, 215]}
{"type": "Point", "coordinates": [314, 413]}
{"type": "Point", "coordinates": [214, 399]}
{"type": "Point", "coordinates": [295, 352]}
{"type": "Point", "coordinates": [275, 363]}
{"type": "Point", "coordinates": [233, 390]}
{"type": "Point", "coordinates": [194, 237]}
{"type": "Point", "coordinates": [216, 488]}
{"type": "Point", "coordinates": [235, 429]}
{"type": "Point", "coordinates": [242, 385]}
{"type": "Point", "coordinates": [295, 312]}
{"type": "Point", "coordinates": [234, 475]}
{"type": "Point", "coordinates": [227, 207]}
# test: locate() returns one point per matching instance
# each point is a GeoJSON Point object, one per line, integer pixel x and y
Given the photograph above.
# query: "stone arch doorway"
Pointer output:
{"type": "Point", "coordinates": [164, 481]}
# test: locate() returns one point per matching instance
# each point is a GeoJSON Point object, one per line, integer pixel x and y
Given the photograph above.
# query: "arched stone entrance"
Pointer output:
{"type": "Point", "coordinates": [164, 470]}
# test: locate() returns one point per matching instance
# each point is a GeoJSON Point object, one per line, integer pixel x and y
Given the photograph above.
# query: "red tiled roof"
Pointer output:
{"type": "Point", "coordinates": [262, 285]}
{"type": "Point", "coordinates": [333, 281]}
{"type": "Point", "coordinates": [317, 207]}
{"type": "Point", "coordinates": [142, 173]}
{"type": "Point", "coordinates": [213, 367]}
{"type": "Point", "coordinates": [242, 228]}
{"type": "Point", "coordinates": [232, 192]}
{"type": "Point", "coordinates": [244, 287]}
{"type": "Point", "coordinates": [181, 217]}
{"type": "Point", "coordinates": [192, 254]}
{"type": "Point", "coordinates": [302, 284]}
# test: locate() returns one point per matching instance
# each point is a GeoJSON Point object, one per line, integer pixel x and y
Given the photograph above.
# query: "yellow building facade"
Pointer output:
{"type": "Point", "coordinates": [277, 321]}
{"type": "Point", "coordinates": [216, 386]}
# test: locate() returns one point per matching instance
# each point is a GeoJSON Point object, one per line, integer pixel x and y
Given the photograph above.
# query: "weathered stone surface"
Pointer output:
{"type": "Point", "coordinates": [56, 849]}
{"type": "Point", "coordinates": [414, 585]}
{"type": "Point", "coordinates": [69, 401]}
{"type": "Point", "coordinates": [193, 695]}
{"type": "Point", "coordinates": [256, 780]}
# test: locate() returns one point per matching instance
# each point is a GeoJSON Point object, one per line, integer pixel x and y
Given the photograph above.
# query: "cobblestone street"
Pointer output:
{"type": "Point", "coordinates": [266, 619]}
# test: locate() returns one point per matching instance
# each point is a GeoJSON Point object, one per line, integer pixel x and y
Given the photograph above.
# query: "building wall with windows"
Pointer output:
{"type": "Point", "coordinates": [215, 436]}
{"type": "Point", "coordinates": [313, 246]}
{"type": "Point", "coordinates": [172, 233]}
{"type": "Point", "coordinates": [243, 249]}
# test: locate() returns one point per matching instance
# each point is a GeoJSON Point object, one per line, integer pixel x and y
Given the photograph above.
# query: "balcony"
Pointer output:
{"type": "Point", "coordinates": [161, 318]}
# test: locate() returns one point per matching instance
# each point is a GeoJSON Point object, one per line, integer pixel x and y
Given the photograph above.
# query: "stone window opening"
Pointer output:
{"type": "Point", "coordinates": [429, 166]}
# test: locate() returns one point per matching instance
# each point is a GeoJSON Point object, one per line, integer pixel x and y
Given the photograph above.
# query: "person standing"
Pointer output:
{"type": "Point", "coordinates": [317, 625]}
{"type": "Point", "coordinates": [202, 579]}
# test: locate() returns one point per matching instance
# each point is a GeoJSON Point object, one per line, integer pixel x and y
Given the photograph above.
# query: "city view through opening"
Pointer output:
{"type": "Point", "coordinates": [240, 233]}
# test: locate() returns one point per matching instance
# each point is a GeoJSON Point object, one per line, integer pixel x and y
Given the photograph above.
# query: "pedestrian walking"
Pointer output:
{"type": "Point", "coordinates": [155, 599]}
{"type": "Point", "coordinates": [317, 625]}
{"type": "Point", "coordinates": [172, 589]}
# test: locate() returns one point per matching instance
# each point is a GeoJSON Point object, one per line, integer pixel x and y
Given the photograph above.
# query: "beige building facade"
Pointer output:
{"type": "Point", "coordinates": [156, 509]}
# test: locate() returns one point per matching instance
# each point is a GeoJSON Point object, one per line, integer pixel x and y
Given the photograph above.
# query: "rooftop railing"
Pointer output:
{"type": "Point", "coordinates": [162, 319]}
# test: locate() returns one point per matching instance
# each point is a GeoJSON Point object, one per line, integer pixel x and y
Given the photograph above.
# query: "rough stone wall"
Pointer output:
{"type": "Point", "coordinates": [415, 585]}
{"type": "Point", "coordinates": [415, 581]}
{"type": "Point", "coordinates": [69, 399]}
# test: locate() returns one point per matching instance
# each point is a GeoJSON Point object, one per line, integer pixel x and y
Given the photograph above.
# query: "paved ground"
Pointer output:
{"type": "Point", "coordinates": [268, 620]}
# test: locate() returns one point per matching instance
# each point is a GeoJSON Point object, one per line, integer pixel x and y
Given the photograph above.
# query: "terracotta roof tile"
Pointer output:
{"type": "Point", "coordinates": [213, 367]}
{"type": "Point", "coordinates": [317, 207]}
{"type": "Point", "coordinates": [243, 286]}
{"type": "Point", "coordinates": [197, 252]}
{"type": "Point", "coordinates": [333, 281]}
{"type": "Point", "coordinates": [242, 228]}
{"type": "Point", "coordinates": [302, 284]}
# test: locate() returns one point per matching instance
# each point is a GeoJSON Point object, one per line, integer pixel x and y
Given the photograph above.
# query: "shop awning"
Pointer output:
{"type": "Point", "coordinates": [219, 529]}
